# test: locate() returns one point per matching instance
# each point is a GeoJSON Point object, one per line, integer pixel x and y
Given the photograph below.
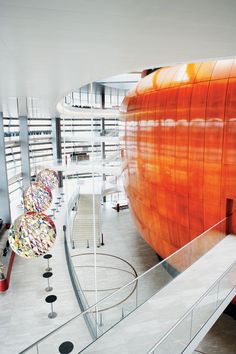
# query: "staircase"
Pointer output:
{"type": "Point", "coordinates": [170, 316]}
{"type": "Point", "coordinates": [86, 222]}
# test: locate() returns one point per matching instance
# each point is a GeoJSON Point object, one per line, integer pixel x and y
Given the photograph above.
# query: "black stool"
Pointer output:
{"type": "Point", "coordinates": [47, 257]}
{"type": "Point", "coordinates": [59, 201]}
{"type": "Point", "coordinates": [48, 275]}
{"type": "Point", "coordinates": [57, 206]}
{"type": "Point", "coordinates": [50, 299]}
{"type": "Point", "coordinates": [66, 348]}
{"type": "Point", "coordinates": [54, 210]}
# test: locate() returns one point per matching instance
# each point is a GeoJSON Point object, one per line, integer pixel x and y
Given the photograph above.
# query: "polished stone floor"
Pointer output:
{"type": "Point", "coordinates": [221, 338]}
{"type": "Point", "coordinates": [24, 311]}
{"type": "Point", "coordinates": [143, 328]}
{"type": "Point", "coordinates": [123, 255]}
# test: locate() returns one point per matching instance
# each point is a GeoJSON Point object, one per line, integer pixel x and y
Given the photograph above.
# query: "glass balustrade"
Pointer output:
{"type": "Point", "coordinates": [89, 325]}
{"type": "Point", "coordinates": [177, 339]}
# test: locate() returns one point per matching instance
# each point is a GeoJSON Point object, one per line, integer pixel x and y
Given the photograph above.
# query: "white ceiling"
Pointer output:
{"type": "Point", "coordinates": [49, 47]}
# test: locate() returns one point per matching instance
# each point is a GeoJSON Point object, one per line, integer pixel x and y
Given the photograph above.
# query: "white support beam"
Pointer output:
{"type": "Point", "coordinates": [25, 157]}
{"type": "Point", "coordinates": [5, 211]}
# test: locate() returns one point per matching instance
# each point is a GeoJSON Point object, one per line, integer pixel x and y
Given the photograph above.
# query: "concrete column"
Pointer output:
{"type": "Point", "coordinates": [104, 156]}
{"type": "Point", "coordinates": [60, 176]}
{"type": "Point", "coordinates": [25, 156]}
{"type": "Point", "coordinates": [103, 132]}
{"type": "Point", "coordinates": [56, 139]}
{"type": "Point", "coordinates": [103, 126]}
{"type": "Point", "coordinates": [103, 96]}
{"type": "Point", "coordinates": [5, 211]}
{"type": "Point", "coordinates": [104, 179]}
{"type": "Point", "coordinates": [56, 145]}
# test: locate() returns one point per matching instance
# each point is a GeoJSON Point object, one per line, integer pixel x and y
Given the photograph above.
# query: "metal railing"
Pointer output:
{"type": "Point", "coordinates": [180, 335]}
{"type": "Point", "coordinates": [147, 285]}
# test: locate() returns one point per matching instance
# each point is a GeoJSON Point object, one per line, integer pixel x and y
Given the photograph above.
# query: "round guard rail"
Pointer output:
{"type": "Point", "coordinates": [180, 260]}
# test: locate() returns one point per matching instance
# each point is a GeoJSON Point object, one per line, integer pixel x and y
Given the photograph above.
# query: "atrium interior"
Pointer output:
{"type": "Point", "coordinates": [117, 184]}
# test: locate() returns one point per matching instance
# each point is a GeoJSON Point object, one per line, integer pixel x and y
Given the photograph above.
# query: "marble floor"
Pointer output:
{"type": "Point", "coordinates": [221, 338]}
{"type": "Point", "coordinates": [123, 255]}
{"type": "Point", "coordinates": [24, 312]}
{"type": "Point", "coordinates": [143, 328]}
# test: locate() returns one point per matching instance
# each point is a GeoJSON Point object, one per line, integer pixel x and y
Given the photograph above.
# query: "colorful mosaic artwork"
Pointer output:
{"type": "Point", "coordinates": [37, 197]}
{"type": "Point", "coordinates": [32, 235]}
{"type": "Point", "coordinates": [48, 178]}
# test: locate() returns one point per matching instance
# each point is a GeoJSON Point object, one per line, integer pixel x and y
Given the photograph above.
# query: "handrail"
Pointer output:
{"type": "Point", "coordinates": [77, 288]}
{"type": "Point", "coordinates": [191, 308]}
{"type": "Point", "coordinates": [134, 280]}
{"type": "Point", "coordinates": [127, 285]}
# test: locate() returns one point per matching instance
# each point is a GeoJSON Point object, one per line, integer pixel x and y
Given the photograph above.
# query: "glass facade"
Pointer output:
{"type": "Point", "coordinates": [103, 99]}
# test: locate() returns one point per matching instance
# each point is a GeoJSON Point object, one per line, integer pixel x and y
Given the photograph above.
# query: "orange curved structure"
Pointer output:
{"type": "Point", "coordinates": [179, 151]}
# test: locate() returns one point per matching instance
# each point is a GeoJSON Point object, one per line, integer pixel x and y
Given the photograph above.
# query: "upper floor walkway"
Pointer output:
{"type": "Point", "coordinates": [179, 313]}
{"type": "Point", "coordinates": [167, 309]}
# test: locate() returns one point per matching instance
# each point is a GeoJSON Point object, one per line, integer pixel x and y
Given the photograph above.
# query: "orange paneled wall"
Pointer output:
{"type": "Point", "coordinates": [179, 151]}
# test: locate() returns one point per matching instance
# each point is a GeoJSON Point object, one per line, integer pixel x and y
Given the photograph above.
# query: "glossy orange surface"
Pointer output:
{"type": "Point", "coordinates": [179, 151]}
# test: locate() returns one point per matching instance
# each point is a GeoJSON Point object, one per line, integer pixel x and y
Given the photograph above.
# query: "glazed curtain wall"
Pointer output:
{"type": "Point", "coordinates": [83, 97]}
{"type": "Point", "coordinates": [82, 127]}
{"type": "Point", "coordinates": [179, 151]}
{"type": "Point", "coordinates": [40, 148]}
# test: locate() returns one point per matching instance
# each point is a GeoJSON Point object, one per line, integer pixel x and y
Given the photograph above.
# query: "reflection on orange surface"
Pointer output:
{"type": "Point", "coordinates": [179, 151]}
